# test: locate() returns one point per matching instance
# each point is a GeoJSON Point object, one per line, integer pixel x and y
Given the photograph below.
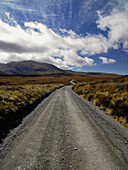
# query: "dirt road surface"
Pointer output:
{"type": "Point", "coordinates": [65, 132]}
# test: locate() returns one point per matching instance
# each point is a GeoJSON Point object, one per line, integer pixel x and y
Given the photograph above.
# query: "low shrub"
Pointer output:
{"type": "Point", "coordinates": [109, 96]}
{"type": "Point", "coordinates": [16, 100]}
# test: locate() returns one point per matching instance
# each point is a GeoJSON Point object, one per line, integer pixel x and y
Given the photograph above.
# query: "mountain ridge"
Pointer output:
{"type": "Point", "coordinates": [30, 67]}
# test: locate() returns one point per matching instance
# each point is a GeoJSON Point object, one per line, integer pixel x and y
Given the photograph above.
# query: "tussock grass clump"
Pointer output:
{"type": "Point", "coordinates": [16, 101]}
{"type": "Point", "coordinates": [12, 98]}
{"type": "Point", "coordinates": [109, 96]}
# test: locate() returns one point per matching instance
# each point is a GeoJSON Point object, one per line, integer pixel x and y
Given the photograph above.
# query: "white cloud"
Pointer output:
{"type": "Point", "coordinates": [117, 25]}
{"type": "Point", "coordinates": [106, 60]}
{"type": "Point", "coordinates": [7, 14]}
{"type": "Point", "coordinates": [40, 43]}
{"type": "Point", "coordinates": [45, 45]}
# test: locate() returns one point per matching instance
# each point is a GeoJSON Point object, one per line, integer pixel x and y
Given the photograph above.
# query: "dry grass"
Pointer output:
{"type": "Point", "coordinates": [14, 98]}
{"type": "Point", "coordinates": [27, 80]}
{"type": "Point", "coordinates": [20, 94]}
{"type": "Point", "coordinates": [109, 96]}
{"type": "Point", "coordinates": [16, 101]}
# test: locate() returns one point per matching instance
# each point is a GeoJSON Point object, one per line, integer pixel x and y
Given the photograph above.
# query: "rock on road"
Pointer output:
{"type": "Point", "coordinates": [65, 132]}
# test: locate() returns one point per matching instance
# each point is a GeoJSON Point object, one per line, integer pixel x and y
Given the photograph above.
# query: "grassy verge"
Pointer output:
{"type": "Point", "coordinates": [18, 100]}
{"type": "Point", "coordinates": [109, 96]}
{"type": "Point", "coordinates": [19, 95]}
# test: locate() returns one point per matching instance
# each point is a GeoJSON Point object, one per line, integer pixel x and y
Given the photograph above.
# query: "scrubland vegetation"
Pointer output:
{"type": "Point", "coordinates": [16, 101]}
{"type": "Point", "coordinates": [20, 94]}
{"type": "Point", "coordinates": [13, 98]}
{"type": "Point", "coordinates": [110, 96]}
{"type": "Point", "coordinates": [32, 80]}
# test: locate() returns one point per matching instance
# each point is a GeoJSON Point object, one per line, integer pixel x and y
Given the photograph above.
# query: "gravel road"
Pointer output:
{"type": "Point", "coordinates": [65, 132]}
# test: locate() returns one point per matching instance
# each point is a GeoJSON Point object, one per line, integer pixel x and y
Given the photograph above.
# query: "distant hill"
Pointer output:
{"type": "Point", "coordinates": [31, 67]}
{"type": "Point", "coordinates": [2, 66]}
{"type": "Point", "coordinates": [2, 73]}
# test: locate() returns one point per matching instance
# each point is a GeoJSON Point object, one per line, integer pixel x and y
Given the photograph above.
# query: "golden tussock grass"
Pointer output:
{"type": "Point", "coordinates": [110, 96]}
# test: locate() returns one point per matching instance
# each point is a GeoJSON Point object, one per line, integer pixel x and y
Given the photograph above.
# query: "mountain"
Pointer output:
{"type": "Point", "coordinates": [2, 73]}
{"type": "Point", "coordinates": [2, 66]}
{"type": "Point", "coordinates": [29, 68]}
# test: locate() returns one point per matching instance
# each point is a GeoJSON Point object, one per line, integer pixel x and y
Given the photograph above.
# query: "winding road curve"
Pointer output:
{"type": "Point", "coordinates": [65, 132]}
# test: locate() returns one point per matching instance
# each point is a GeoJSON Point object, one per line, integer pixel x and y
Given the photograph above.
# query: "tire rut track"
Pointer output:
{"type": "Point", "coordinates": [56, 147]}
{"type": "Point", "coordinates": [60, 134]}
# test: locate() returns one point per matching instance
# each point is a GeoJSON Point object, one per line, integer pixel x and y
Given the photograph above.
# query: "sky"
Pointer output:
{"type": "Point", "coordinates": [81, 35]}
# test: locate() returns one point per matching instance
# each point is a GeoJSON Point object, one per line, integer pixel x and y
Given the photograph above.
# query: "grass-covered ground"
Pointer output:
{"type": "Point", "coordinates": [13, 98]}
{"type": "Point", "coordinates": [18, 100]}
{"type": "Point", "coordinates": [20, 94]}
{"type": "Point", "coordinates": [32, 80]}
{"type": "Point", "coordinates": [109, 96]}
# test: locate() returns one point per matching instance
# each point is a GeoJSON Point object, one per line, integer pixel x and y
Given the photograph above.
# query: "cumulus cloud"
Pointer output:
{"type": "Point", "coordinates": [117, 25]}
{"type": "Point", "coordinates": [106, 60]}
{"type": "Point", "coordinates": [40, 43]}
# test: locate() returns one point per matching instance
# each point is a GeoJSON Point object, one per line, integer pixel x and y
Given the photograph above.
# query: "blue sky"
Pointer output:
{"type": "Point", "coordinates": [83, 35]}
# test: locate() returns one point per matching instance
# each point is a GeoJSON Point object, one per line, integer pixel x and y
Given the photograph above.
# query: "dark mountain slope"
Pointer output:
{"type": "Point", "coordinates": [2, 73]}
{"type": "Point", "coordinates": [29, 67]}
{"type": "Point", "coordinates": [2, 66]}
